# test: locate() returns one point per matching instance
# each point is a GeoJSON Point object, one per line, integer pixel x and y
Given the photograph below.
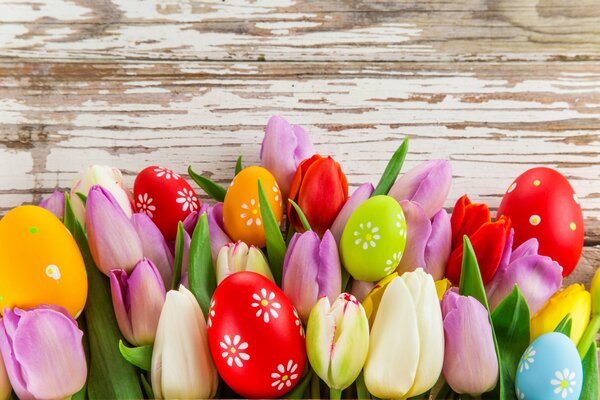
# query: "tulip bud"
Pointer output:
{"type": "Point", "coordinates": [283, 148]}
{"type": "Point", "coordinates": [360, 195]}
{"type": "Point", "coordinates": [182, 367]}
{"type": "Point", "coordinates": [110, 179]}
{"type": "Point", "coordinates": [470, 361]}
{"type": "Point", "coordinates": [573, 300]}
{"type": "Point", "coordinates": [55, 204]}
{"type": "Point", "coordinates": [236, 257]}
{"type": "Point", "coordinates": [311, 270]}
{"type": "Point", "coordinates": [114, 242]}
{"type": "Point", "coordinates": [154, 245]}
{"type": "Point", "coordinates": [320, 189]}
{"type": "Point", "coordinates": [337, 340]}
{"type": "Point", "coordinates": [214, 214]}
{"type": "Point", "coordinates": [138, 300]}
{"type": "Point", "coordinates": [427, 184]}
{"type": "Point", "coordinates": [5, 388]}
{"type": "Point", "coordinates": [43, 353]}
{"type": "Point", "coordinates": [407, 340]}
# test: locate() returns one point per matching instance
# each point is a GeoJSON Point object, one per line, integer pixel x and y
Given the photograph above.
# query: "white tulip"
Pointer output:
{"type": "Point", "coordinates": [236, 257]}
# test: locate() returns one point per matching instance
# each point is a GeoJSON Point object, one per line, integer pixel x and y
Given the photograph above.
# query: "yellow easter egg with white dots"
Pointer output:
{"type": "Point", "coordinates": [40, 262]}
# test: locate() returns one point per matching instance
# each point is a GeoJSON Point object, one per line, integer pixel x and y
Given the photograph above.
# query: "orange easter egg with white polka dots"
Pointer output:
{"type": "Point", "coordinates": [40, 262]}
{"type": "Point", "coordinates": [241, 210]}
{"type": "Point", "coordinates": [542, 204]}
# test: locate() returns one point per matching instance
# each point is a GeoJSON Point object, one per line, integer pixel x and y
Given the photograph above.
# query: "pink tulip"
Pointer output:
{"type": "Point", "coordinates": [55, 204]}
{"type": "Point", "coordinates": [218, 237]}
{"type": "Point", "coordinates": [360, 195]}
{"type": "Point", "coordinates": [154, 246]}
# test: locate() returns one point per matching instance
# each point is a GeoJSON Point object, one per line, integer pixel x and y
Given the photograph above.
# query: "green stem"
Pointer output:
{"type": "Point", "coordinates": [588, 335]}
{"type": "Point", "coordinates": [335, 394]}
{"type": "Point", "coordinates": [315, 390]}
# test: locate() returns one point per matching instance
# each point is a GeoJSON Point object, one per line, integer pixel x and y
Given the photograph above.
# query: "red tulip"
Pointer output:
{"type": "Point", "coordinates": [488, 239]}
{"type": "Point", "coordinates": [320, 189]}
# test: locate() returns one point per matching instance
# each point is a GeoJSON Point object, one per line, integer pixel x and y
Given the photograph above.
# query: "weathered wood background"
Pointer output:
{"type": "Point", "coordinates": [494, 86]}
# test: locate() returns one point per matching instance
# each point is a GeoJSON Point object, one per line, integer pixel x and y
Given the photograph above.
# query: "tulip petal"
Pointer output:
{"type": "Point", "coordinates": [55, 204]}
{"type": "Point", "coordinates": [329, 272]}
{"type": "Point", "coordinates": [5, 387]}
{"type": "Point", "coordinates": [360, 195]}
{"type": "Point", "coordinates": [121, 302]}
{"type": "Point", "coordinates": [527, 248]}
{"type": "Point", "coordinates": [467, 218]}
{"type": "Point", "coordinates": [147, 296]}
{"type": "Point", "coordinates": [218, 237]}
{"type": "Point", "coordinates": [418, 232]}
{"type": "Point", "coordinates": [437, 250]}
{"type": "Point", "coordinates": [154, 246]}
{"type": "Point", "coordinates": [360, 289]}
{"type": "Point", "coordinates": [320, 334]}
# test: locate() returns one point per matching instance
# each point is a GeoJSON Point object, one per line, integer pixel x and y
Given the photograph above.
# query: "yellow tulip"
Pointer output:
{"type": "Point", "coordinates": [441, 287]}
{"type": "Point", "coordinates": [594, 326]}
{"type": "Point", "coordinates": [573, 300]}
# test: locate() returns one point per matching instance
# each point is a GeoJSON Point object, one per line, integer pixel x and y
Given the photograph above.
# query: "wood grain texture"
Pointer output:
{"type": "Point", "coordinates": [495, 87]}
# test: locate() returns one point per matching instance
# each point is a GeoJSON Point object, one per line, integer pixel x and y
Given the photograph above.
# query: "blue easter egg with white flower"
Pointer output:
{"type": "Point", "coordinates": [550, 368]}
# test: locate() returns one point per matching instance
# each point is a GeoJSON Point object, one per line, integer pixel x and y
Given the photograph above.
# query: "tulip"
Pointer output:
{"type": "Point", "coordinates": [427, 184]}
{"type": "Point", "coordinates": [427, 242]}
{"type": "Point", "coordinates": [320, 189]}
{"type": "Point", "coordinates": [488, 239]}
{"type": "Point", "coordinates": [114, 242]}
{"type": "Point", "coordinates": [361, 289]}
{"type": "Point", "coordinates": [283, 148]}
{"type": "Point", "coordinates": [575, 301]}
{"type": "Point", "coordinates": [236, 257]}
{"type": "Point", "coordinates": [538, 277]}
{"type": "Point", "coordinates": [311, 270]}
{"type": "Point", "coordinates": [154, 245]}
{"type": "Point", "coordinates": [138, 300]}
{"type": "Point", "coordinates": [218, 237]}
{"type": "Point", "coordinates": [182, 367]}
{"type": "Point", "coordinates": [55, 204]}
{"type": "Point", "coordinates": [360, 195]}
{"type": "Point", "coordinates": [110, 179]}
{"type": "Point", "coordinates": [441, 287]}
{"type": "Point", "coordinates": [406, 347]}
{"type": "Point", "coordinates": [337, 340]}
{"type": "Point", "coordinates": [470, 361]}
{"type": "Point", "coordinates": [43, 352]}
{"type": "Point", "coordinates": [5, 388]}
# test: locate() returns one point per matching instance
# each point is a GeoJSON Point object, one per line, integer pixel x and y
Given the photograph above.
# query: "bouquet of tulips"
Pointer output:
{"type": "Point", "coordinates": [283, 285]}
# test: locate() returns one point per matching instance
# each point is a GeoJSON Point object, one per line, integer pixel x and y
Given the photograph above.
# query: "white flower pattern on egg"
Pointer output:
{"type": "Point", "coordinates": [564, 382]}
{"type": "Point", "coordinates": [393, 262]}
{"type": "Point", "coordinates": [266, 305]}
{"type": "Point", "coordinates": [367, 235]}
{"type": "Point", "coordinates": [144, 204]}
{"type": "Point", "coordinates": [167, 173]}
{"type": "Point", "coordinates": [187, 199]}
{"type": "Point", "coordinates": [233, 350]}
{"type": "Point", "coordinates": [211, 313]}
{"type": "Point", "coordinates": [52, 271]}
{"type": "Point", "coordinates": [285, 375]}
{"type": "Point", "coordinates": [527, 359]}
{"type": "Point", "coordinates": [251, 211]}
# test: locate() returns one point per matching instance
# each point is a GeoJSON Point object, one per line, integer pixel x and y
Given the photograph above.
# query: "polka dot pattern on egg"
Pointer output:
{"type": "Point", "coordinates": [535, 220]}
{"type": "Point", "coordinates": [537, 182]}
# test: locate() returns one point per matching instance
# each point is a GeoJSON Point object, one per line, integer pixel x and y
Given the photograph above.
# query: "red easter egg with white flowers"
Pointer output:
{"type": "Point", "coordinates": [165, 197]}
{"type": "Point", "coordinates": [255, 336]}
{"type": "Point", "coordinates": [542, 204]}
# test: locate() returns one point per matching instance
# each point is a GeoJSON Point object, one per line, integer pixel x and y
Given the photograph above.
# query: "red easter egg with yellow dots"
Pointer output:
{"type": "Point", "coordinates": [255, 337]}
{"type": "Point", "coordinates": [165, 197]}
{"type": "Point", "coordinates": [542, 204]}
{"type": "Point", "coordinates": [241, 209]}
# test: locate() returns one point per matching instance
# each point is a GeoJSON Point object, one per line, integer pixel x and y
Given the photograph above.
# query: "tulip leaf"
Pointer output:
{"type": "Point", "coordinates": [301, 215]}
{"type": "Point", "coordinates": [361, 388]}
{"type": "Point", "coordinates": [511, 325]}
{"type": "Point", "coordinates": [202, 278]}
{"type": "Point", "coordinates": [147, 387]}
{"type": "Point", "coordinates": [82, 197]}
{"type": "Point", "coordinates": [298, 391]}
{"type": "Point", "coordinates": [275, 244]}
{"type": "Point", "coordinates": [392, 170]}
{"type": "Point", "coordinates": [141, 356]}
{"type": "Point", "coordinates": [590, 374]}
{"type": "Point", "coordinates": [213, 189]}
{"type": "Point", "coordinates": [345, 280]}
{"type": "Point", "coordinates": [178, 262]}
{"type": "Point", "coordinates": [564, 326]}
{"type": "Point", "coordinates": [290, 234]}
{"type": "Point", "coordinates": [238, 165]}
{"type": "Point", "coordinates": [110, 376]}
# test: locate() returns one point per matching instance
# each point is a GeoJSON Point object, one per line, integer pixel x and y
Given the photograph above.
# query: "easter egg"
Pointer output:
{"type": "Point", "coordinates": [373, 239]}
{"type": "Point", "coordinates": [550, 368]}
{"type": "Point", "coordinates": [255, 336]}
{"type": "Point", "coordinates": [241, 209]}
{"type": "Point", "coordinates": [40, 262]}
{"type": "Point", "coordinates": [165, 197]}
{"type": "Point", "coordinates": [542, 204]}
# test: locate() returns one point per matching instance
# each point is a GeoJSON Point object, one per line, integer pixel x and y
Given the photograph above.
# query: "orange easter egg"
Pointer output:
{"type": "Point", "coordinates": [241, 211]}
{"type": "Point", "coordinates": [40, 262]}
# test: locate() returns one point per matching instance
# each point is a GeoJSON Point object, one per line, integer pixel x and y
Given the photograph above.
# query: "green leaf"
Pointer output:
{"type": "Point", "coordinates": [590, 374]}
{"type": "Point", "coordinates": [211, 188]}
{"type": "Point", "coordinates": [345, 280]}
{"type": "Point", "coordinates": [109, 375]}
{"type": "Point", "coordinates": [301, 215]}
{"type": "Point", "coordinates": [392, 170]}
{"type": "Point", "coordinates": [361, 388]}
{"type": "Point", "coordinates": [511, 325]}
{"type": "Point", "coordinates": [238, 165]}
{"type": "Point", "coordinates": [82, 197]}
{"type": "Point", "coordinates": [147, 387]}
{"type": "Point", "coordinates": [564, 326]}
{"type": "Point", "coordinates": [141, 356]}
{"type": "Point", "coordinates": [298, 391]}
{"type": "Point", "coordinates": [202, 279]}
{"type": "Point", "coordinates": [178, 263]}
{"type": "Point", "coordinates": [275, 244]}
{"type": "Point", "coordinates": [290, 234]}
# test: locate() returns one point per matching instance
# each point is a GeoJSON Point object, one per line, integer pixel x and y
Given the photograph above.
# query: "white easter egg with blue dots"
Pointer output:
{"type": "Point", "coordinates": [550, 368]}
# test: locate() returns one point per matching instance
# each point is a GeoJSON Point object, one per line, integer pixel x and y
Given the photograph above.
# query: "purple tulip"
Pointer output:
{"type": "Point", "coordinates": [154, 246]}
{"type": "Point", "coordinates": [360, 195]}
{"type": "Point", "coordinates": [428, 243]}
{"type": "Point", "coordinates": [214, 214]}
{"type": "Point", "coordinates": [55, 204]}
{"type": "Point", "coordinates": [470, 361]}
{"type": "Point", "coordinates": [138, 300]}
{"type": "Point", "coordinates": [537, 276]}
{"type": "Point", "coordinates": [361, 289]}
{"type": "Point", "coordinates": [311, 270]}
{"type": "Point", "coordinates": [185, 258]}
{"type": "Point", "coordinates": [114, 242]}
{"type": "Point", "coordinates": [283, 148]}
{"type": "Point", "coordinates": [43, 352]}
{"type": "Point", "coordinates": [427, 184]}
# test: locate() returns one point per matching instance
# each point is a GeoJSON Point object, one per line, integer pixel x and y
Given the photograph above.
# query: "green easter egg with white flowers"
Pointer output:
{"type": "Point", "coordinates": [374, 239]}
